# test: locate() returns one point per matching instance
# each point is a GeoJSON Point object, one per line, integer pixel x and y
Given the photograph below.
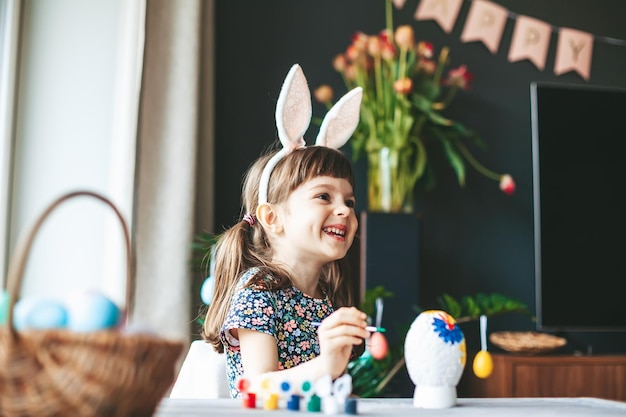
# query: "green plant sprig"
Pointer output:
{"type": "Point", "coordinates": [471, 308]}
{"type": "Point", "coordinates": [368, 305]}
{"type": "Point", "coordinates": [201, 251]}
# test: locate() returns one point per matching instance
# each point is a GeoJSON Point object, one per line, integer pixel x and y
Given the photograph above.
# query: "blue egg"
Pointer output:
{"type": "Point", "coordinates": [207, 289]}
{"type": "Point", "coordinates": [37, 312]}
{"type": "Point", "coordinates": [47, 314]}
{"type": "Point", "coordinates": [22, 310]}
{"type": "Point", "coordinates": [5, 301]}
{"type": "Point", "coordinates": [91, 311]}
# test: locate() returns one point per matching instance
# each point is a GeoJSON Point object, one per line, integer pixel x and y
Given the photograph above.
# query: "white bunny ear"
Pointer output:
{"type": "Point", "coordinates": [293, 109]}
{"type": "Point", "coordinates": [341, 120]}
{"type": "Point", "coordinates": [293, 115]}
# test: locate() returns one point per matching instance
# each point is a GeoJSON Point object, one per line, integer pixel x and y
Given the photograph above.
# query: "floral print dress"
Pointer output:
{"type": "Point", "coordinates": [286, 314]}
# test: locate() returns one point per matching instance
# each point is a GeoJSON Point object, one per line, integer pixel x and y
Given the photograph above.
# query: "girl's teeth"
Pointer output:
{"type": "Point", "coordinates": [335, 231]}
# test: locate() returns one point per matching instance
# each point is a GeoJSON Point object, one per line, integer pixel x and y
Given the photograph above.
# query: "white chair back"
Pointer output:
{"type": "Point", "coordinates": [202, 374]}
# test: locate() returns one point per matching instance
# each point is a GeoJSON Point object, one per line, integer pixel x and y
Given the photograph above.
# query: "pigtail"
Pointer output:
{"type": "Point", "coordinates": [234, 253]}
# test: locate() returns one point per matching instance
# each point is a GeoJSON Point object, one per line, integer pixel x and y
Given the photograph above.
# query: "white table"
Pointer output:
{"type": "Point", "coordinates": [401, 407]}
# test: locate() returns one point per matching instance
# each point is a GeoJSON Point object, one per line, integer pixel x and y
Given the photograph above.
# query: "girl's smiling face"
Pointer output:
{"type": "Point", "coordinates": [319, 221]}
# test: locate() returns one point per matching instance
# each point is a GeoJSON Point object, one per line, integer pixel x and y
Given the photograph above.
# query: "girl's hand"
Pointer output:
{"type": "Point", "coordinates": [337, 334]}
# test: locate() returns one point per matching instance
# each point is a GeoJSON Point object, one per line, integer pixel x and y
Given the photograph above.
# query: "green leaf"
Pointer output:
{"type": "Point", "coordinates": [472, 308]}
{"type": "Point", "coordinates": [410, 57]}
{"type": "Point", "coordinates": [450, 305]}
{"type": "Point", "coordinates": [368, 305]}
{"type": "Point", "coordinates": [422, 103]}
{"type": "Point", "coordinates": [497, 302]}
{"type": "Point", "coordinates": [456, 161]}
{"type": "Point", "coordinates": [485, 303]}
{"type": "Point", "coordinates": [462, 130]}
{"type": "Point", "coordinates": [201, 248]}
{"type": "Point", "coordinates": [358, 143]}
{"type": "Point", "coordinates": [420, 161]}
{"type": "Point", "coordinates": [437, 119]}
{"type": "Point", "coordinates": [428, 89]}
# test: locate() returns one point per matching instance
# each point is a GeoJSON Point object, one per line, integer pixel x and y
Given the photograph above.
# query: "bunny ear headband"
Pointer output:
{"type": "Point", "coordinates": [293, 115]}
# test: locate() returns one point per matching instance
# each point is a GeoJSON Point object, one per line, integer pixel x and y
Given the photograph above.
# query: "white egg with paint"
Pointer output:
{"type": "Point", "coordinates": [435, 355]}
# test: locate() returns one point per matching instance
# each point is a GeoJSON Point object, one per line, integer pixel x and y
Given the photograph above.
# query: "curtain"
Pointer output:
{"type": "Point", "coordinates": [168, 132]}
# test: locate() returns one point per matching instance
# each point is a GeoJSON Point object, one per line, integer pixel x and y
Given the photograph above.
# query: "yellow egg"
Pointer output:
{"type": "Point", "coordinates": [483, 364]}
{"type": "Point", "coordinates": [378, 346]}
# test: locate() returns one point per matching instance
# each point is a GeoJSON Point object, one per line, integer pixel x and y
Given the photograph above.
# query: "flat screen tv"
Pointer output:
{"type": "Point", "coordinates": [579, 192]}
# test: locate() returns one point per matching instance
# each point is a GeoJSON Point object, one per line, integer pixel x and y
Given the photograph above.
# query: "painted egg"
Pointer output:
{"type": "Point", "coordinates": [483, 364]}
{"type": "Point", "coordinates": [91, 311]}
{"type": "Point", "coordinates": [37, 312]}
{"type": "Point", "coordinates": [434, 352]}
{"type": "Point", "coordinates": [378, 346]}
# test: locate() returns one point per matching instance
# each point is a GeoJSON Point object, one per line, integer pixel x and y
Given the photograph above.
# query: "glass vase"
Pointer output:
{"type": "Point", "coordinates": [388, 182]}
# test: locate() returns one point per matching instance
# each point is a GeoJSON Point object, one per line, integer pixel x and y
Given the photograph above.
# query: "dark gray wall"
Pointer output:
{"type": "Point", "coordinates": [474, 239]}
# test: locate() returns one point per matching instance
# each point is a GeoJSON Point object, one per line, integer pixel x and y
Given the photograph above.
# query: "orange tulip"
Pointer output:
{"type": "Point", "coordinates": [404, 37]}
{"type": "Point", "coordinates": [339, 63]}
{"type": "Point", "coordinates": [389, 52]}
{"type": "Point", "coordinates": [359, 41]}
{"type": "Point", "coordinates": [323, 94]}
{"type": "Point", "coordinates": [350, 72]}
{"type": "Point", "coordinates": [374, 46]}
{"type": "Point", "coordinates": [353, 53]}
{"type": "Point", "coordinates": [403, 85]}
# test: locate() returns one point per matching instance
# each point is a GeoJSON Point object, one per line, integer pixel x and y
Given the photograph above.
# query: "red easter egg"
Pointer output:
{"type": "Point", "coordinates": [378, 346]}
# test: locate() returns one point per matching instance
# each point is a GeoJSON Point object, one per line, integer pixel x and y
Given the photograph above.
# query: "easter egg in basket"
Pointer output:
{"type": "Point", "coordinates": [38, 312]}
{"type": "Point", "coordinates": [90, 311]}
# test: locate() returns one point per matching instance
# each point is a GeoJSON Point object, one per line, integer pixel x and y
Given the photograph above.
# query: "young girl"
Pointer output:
{"type": "Point", "coordinates": [277, 270]}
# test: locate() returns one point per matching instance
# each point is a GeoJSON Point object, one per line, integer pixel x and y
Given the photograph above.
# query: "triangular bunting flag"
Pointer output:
{"type": "Point", "coordinates": [399, 3]}
{"type": "Point", "coordinates": [443, 12]}
{"type": "Point", "coordinates": [531, 39]}
{"type": "Point", "coordinates": [573, 52]}
{"type": "Point", "coordinates": [485, 22]}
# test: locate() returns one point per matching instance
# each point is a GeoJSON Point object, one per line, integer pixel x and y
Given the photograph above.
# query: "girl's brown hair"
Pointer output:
{"type": "Point", "coordinates": [243, 246]}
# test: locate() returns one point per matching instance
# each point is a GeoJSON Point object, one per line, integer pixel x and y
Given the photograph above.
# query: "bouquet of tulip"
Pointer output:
{"type": "Point", "coordinates": [405, 95]}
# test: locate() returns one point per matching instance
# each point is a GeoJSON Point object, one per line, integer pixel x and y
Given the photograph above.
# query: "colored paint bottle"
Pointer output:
{"type": "Point", "coordinates": [351, 407]}
{"type": "Point", "coordinates": [294, 403]}
{"type": "Point", "coordinates": [315, 404]}
{"type": "Point", "coordinates": [249, 400]}
{"type": "Point", "coordinates": [271, 402]}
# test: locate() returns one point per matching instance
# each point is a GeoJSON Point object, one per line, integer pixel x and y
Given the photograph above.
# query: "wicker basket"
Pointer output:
{"type": "Point", "coordinates": [526, 342]}
{"type": "Point", "coordinates": [62, 373]}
